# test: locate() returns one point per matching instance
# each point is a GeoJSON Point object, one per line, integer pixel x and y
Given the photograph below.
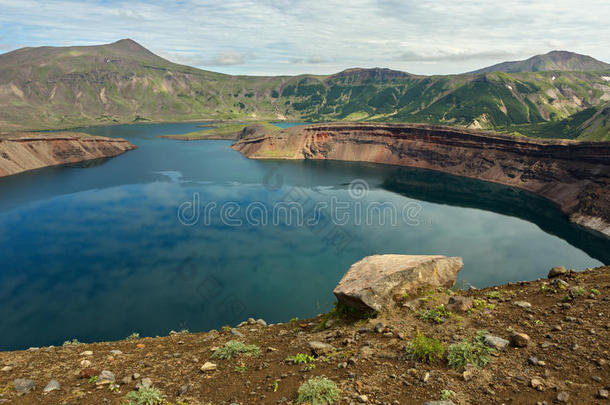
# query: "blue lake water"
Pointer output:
{"type": "Point", "coordinates": [100, 250]}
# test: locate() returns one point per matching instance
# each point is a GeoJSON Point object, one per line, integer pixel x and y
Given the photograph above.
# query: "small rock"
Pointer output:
{"type": "Point", "coordinates": [426, 377]}
{"type": "Point", "coordinates": [447, 402]}
{"type": "Point", "coordinates": [85, 363]}
{"type": "Point", "coordinates": [533, 361]}
{"type": "Point", "coordinates": [52, 386]}
{"type": "Point", "coordinates": [105, 377]}
{"type": "Point", "coordinates": [144, 383]}
{"type": "Point", "coordinates": [23, 385]}
{"type": "Point", "coordinates": [7, 369]}
{"type": "Point", "coordinates": [208, 366]}
{"type": "Point", "coordinates": [563, 397]}
{"type": "Point", "coordinates": [237, 333]}
{"type": "Point", "coordinates": [469, 372]}
{"type": "Point", "coordinates": [519, 339]}
{"type": "Point", "coordinates": [320, 348]}
{"type": "Point", "coordinates": [559, 283]}
{"type": "Point", "coordinates": [127, 380]}
{"type": "Point", "coordinates": [537, 384]}
{"type": "Point", "coordinates": [87, 353]}
{"type": "Point", "coordinates": [557, 271]}
{"type": "Point", "coordinates": [367, 352]}
{"type": "Point", "coordinates": [496, 342]}
{"type": "Point", "coordinates": [87, 373]}
{"type": "Point", "coordinates": [116, 352]}
{"type": "Point", "coordinates": [184, 389]}
{"type": "Point", "coordinates": [261, 322]}
{"type": "Point", "coordinates": [459, 304]}
{"type": "Point", "coordinates": [379, 327]}
{"type": "Point", "coordinates": [363, 398]}
{"type": "Point", "coordinates": [251, 321]}
{"type": "Point", "coordinates": [522, 304]}
{"type": "Point", "coordinates": [603, 394]}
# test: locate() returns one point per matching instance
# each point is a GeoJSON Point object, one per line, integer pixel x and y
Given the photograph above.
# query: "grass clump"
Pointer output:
{"type": "Point", "coordinates": [494, 294]}
{"type": "Point", "coordinates": [318, 391]}
{"type": "Point", "coordinates": [425, 349]}
{"type": "Point", "coordinates": [145, 396]}
{"type": "Point", "coordinates": [301, 358]}
{"type": "Point", "coordinates": [577, 292]}
{"type": "Point", "coordinates": [476, 352]}
{"type": "Point", "coordinates": [73, 342]}
{"type": "Point", "coordinates": [235, 348]}
{"type": "Point", "coordinates": [133, 336]}
{"type": "Point", "coordinates": [595, 291]}
{"type": "Point", "coordinates": [447, 394]}
{"type": "Point", "coordinates": [437, 315]}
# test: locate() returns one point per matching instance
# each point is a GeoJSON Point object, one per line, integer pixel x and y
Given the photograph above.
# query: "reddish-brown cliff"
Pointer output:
{"type": "Point", "coordinates": [574, 175]}
{"type": "Point", "coordinates": [27, 151]}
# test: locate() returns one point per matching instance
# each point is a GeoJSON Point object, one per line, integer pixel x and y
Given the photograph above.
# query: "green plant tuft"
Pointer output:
{"type": "Point", "coordinates": [235, 348]}
{"type": "Point", "coordinates": [467, 352]}
{"type": "Point", "coordinates": [447, 394]}
{"type": "Point", "coordinates": [145, 396]}
{"type": "Point", "coordinates": [425, 349]}
{"type": "Point", "coordinates": [437, 315]}
{"type": "Point", "coordinates": [318, 391]}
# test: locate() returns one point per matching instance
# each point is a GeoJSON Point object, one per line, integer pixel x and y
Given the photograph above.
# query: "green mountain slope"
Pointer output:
{"type": "Point", "coordinates": [552, 61]}
{"type": "Point", "coordinates": [123, 82]}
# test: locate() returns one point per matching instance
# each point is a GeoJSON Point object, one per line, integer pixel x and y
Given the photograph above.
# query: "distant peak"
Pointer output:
{"type": "Point", "coordinates": [126, 41]}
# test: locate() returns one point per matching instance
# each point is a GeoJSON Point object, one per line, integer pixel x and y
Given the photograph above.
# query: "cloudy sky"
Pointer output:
{"type": "Point", "coordinates": [326, 36]}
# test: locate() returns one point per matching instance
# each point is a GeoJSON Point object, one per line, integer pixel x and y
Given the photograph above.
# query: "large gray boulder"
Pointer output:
{"type": "Point", "coordinates": [374, 282]}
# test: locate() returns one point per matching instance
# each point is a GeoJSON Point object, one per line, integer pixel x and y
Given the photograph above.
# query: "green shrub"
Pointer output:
{"type": "Point", "coordinates": [234, 348]}
{"type": "Point", "coordinates": [595, 291]}
{"type": "Point", "coordinates": [467, 352]}
{"type": "Point", "coordinates": [447, 394]}
{"type": "Point", "coordinates": [73, 342]}
{"type": "Point", "coordinates": [145, 396]}
{"type": "Point", "coordinates": [318, 391]}
{"type": "Point", "coordinates": [436, 315]}
{"type": "Point", "coordinates": [301, 358]}
{"type": "Point", "coordinates": [494, 294]}
{"type": "Point", "coordinates": [425, 349]}
{"type": "Point", "coordinates": [133, 336]}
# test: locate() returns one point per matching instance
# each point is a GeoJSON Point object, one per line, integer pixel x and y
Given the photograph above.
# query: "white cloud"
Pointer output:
{"type": "Point", "coordinates": [268, 36]}
{"type": "Point", "coordinates": [227, 58]}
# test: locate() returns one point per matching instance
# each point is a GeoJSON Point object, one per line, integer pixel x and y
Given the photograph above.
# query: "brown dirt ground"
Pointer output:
{"type": "Point", "coordinates": [387, 377]}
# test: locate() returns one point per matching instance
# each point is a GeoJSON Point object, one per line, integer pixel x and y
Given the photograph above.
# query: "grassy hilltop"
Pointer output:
{"type": "Point", "coordinates": [122, 82]}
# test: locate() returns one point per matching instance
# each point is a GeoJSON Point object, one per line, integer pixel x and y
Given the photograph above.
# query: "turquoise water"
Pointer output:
{"type": "Point", "coordinates": [98, 252]}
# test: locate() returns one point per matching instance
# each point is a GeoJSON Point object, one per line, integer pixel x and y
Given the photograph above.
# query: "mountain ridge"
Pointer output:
{"type": "Point", "coordinates": [551, 61]}
{"type": "Point", "coordinates": [123, 82]}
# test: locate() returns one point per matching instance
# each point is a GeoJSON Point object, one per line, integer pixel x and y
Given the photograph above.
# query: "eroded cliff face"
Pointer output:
{"type": "Point", "coordinates": [27, 151]}
{"type": "Point", "coordinates": [574, 175]}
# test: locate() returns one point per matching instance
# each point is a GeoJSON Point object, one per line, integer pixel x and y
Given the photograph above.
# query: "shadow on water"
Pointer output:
{"type": "Point", "coordinates": [444, 188]}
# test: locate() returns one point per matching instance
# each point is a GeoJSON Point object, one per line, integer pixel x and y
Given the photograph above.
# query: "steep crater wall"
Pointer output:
{"type": "Point", "coordinates": [574, 175]}
{"type": "Point", "coordinates": [28, 151]}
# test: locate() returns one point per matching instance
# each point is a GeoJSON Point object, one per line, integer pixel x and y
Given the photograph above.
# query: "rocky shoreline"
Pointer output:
{"type": "Point", "coordinates": [21, 152]}
{"type": "Point", "coordinates": [538, 342]}
{"type": "Point", "coordinates": [574, 175]}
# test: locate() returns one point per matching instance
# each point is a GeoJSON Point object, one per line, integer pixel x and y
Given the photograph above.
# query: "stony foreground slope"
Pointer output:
{"type": "Point", "coordinates": [27, 151]}
{"type": "Point", "coordinates": [563, 359]}
{"type": "Point", "coordinates": [574, 175]}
